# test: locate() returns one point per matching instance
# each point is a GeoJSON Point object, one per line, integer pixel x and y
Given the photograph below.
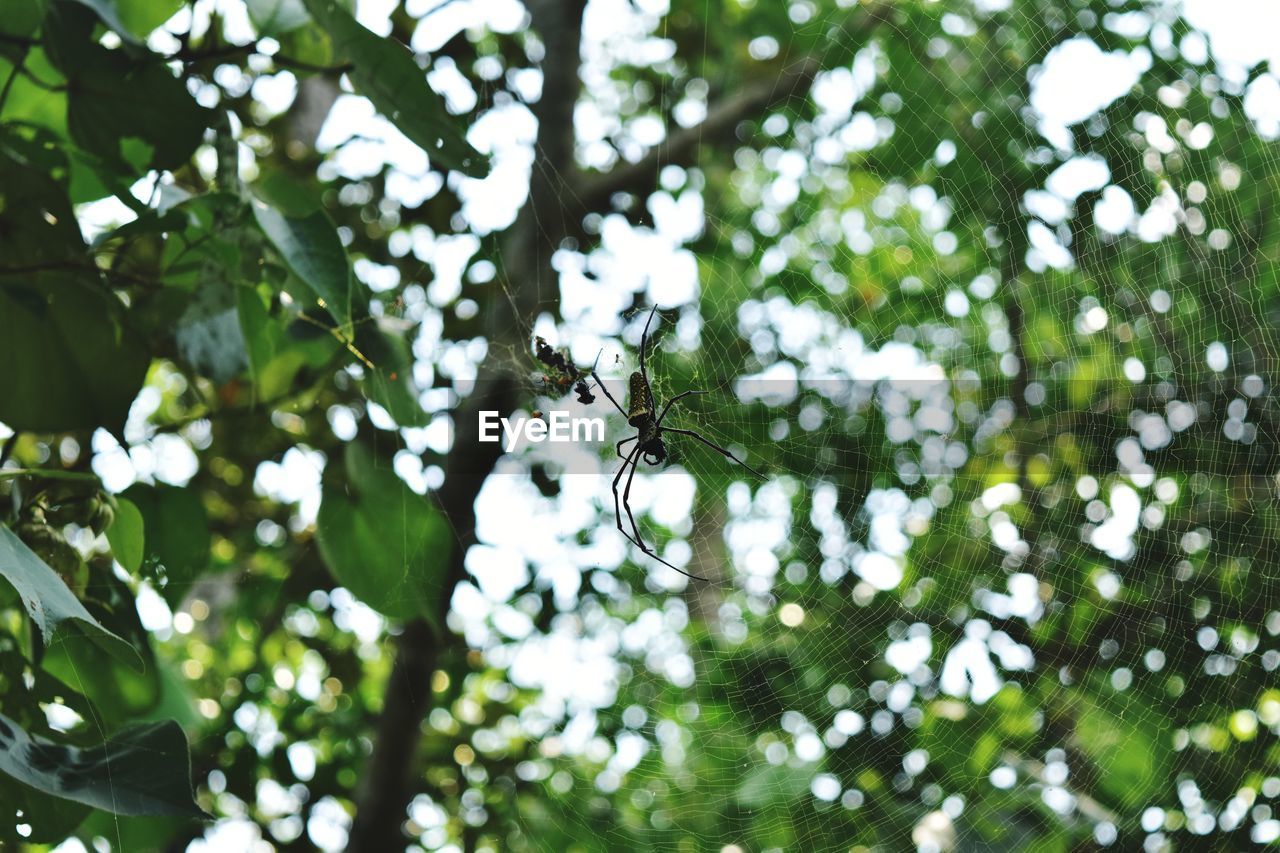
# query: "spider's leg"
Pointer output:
{"type": "Point", "coordinates": [644, 340]}
{"type": "Point", "coordinates": [714, 447]}
{"type": "Point", "coordinates": [617, 506]}
{"type": "Point", "coordinates": [677, 398]}
{"type": "Point", "coordinates": [592, 371]}
{"type": "Point", "coordinates": [626, 502]}
{"type": "Point", "coordinates": [629, 459]}
{"type": "Point", "coordinates": [605, 389]}
{"type": "Point", "coordinates": [625, 441]}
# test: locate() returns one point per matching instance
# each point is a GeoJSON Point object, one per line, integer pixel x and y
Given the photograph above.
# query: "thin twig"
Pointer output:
{"type": "Point", "coordinates": [41, 84]}
{"type": "Point", "coordinates": [1087, 805]}
{"type": "Point", "coordinates": [289, 62]}
{"type": "Point", "coordinates": [27, 269]}
{"type": "Point", "coordinates": [48, 474]}
{"type": "Point", "coordinates": [751, 101]}
{"type": "Point", "coordinates": [188, 57]}
{"type": "Point", "coordinates": [13, 75]}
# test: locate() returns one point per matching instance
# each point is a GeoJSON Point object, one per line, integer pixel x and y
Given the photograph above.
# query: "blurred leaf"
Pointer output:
{"type": "Point", "coordinates": [386, 73]}
{"type": "Point", "coordinates": [125, 535]}
{"type": "Point", "coordinates": [141, 770]}
{"type": "Point", "coordinates": [310, 44]}
{"type": "Point", "coordinates": [390, 384]}
{"type": "Point", "coordinates": [71, 363]}
{"type": "Point", "coordinates": [275, 356]}
{"type": "Point", "coordinates": [1119, 737]}
{"type": "Point", "coordinates": [209, 334]}
{"type": "Point", "coordinates": [133, 20]}
{"type": "Point", "coordinates": [50, 603]}
{"type": "Point", "coordinates": [49, 818]}
{"type": "Point", "coordinates": [113, 102]}
{"type": "Point", "coordinates": [115, 96]}
{"type": "Point", "coordinates": [178, 536]}
{"type": "Point", "coordinates": [274, 18]}
{"type": "Point", "coordinates": [30, 101]}
{"type": "Point", "coordinates": [70, 360]}
{"type": "Point", "coordinates": [117, 693]}
{"type": "Point", "coordinates": [381, 540]}
{"type": "Point", "coordinates": [21, 18]}
{"type": "Point", "coordinates": [309, 244]}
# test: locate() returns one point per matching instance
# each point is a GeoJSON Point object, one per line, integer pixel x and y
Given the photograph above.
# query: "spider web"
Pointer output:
{"type": "Point", "coordinates": [980, 597]}
{"type": "Point", "coordinates": [986, 596]}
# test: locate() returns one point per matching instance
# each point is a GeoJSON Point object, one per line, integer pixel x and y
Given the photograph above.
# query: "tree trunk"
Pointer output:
{"type": "Point", "coordinates": [559, 197]}
{"type": "Point", "coordinates": [388, 783]}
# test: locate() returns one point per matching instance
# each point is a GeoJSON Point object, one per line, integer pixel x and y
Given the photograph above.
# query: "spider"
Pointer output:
{"type": "Point", "coordinates": [650, 445]}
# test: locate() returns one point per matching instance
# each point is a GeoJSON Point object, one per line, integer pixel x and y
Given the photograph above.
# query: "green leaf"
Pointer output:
{"type": "Point", "coordinates": [208, 333]}
{"type": "Point", "coordinates": [381, 540]}
{"type": "Point", "coordinates": [309, 244]}
{"type": "Point", "coordinates": [207, 247]}
{"type": "Point", "coordinates": [28, 101]}
{"type": "Point", "coordinates": [1120, 738]}
{"type": "Point", "coordinates": [21, 19]}
{"type": "Point", "coordinates": [385, 72]}
{"type": "Point", "coordinates": [276, 17]}
{"type": "Point", "coordinates": [117, 694]}
{"type": "Point", "coordinates": [309, 44]}
{"type": "Point", "coordinates": [125, 535]}
{"type": "Point", "coordinates": [40, 225]}
{"type": "Point", "coordinates": [136, 834]}
{"type": "Point", "coordinates": [275, 357]}
{"type": "Point", "coordinates": [176, 701]}
{"type": "Point", "coordinates": [142, 770]}
{"type": "Point", "coordinates": [133, 20]}
{"type": "Point", "coordinates": [49, 818]}
{"type": "Point", "coordinates": [115, 96]}
{"type": "Point", "coordinates": [396, 392]}
{"type": "Point", "coordinates": [178, 536]}
{"type": "Point", "coordinates": [119, 100]}
{"type": "Point", "coordinates": [106, 10]}
{"type": "Point", "coordinates": [70, 363]}
{"type": "Point", "coordinates": [146, 224]}
{"type": "Point", "coordinates": [51, 604]}
{"type": "Point", "coordinates": [70, 360]}
{"type": "Point", "coordinates": [143, 16]}
{"type": "Point", "coordinates": [390, 384]}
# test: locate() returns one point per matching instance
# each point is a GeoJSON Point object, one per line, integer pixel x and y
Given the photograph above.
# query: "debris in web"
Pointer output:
{"type": "Point", "coordinates": [562, 374]}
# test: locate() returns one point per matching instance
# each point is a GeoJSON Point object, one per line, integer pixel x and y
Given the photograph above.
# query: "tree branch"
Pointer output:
{"type": "Point", "coordinates": [558, 198]}
{"type": "Point", "coordinates": [389, 782]}
{"type": "Point", "coordinates": [48, 473]}
{"type": "Point", "coordinates": [680, 147]}
{"type": "Point", "coordinates": [18, 64]}
{"type": "Point", "coordinates": [596, 192]}
{"type": "Point", "coordinates": [1085, 804]}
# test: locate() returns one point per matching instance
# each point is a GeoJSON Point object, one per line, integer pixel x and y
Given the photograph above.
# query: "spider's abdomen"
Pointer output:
{"type": "Point", "coordinates": [639, 406]}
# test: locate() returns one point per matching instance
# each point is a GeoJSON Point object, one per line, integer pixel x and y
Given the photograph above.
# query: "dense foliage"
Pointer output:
{"type": "Point", "coordinates": [1007, 584]}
